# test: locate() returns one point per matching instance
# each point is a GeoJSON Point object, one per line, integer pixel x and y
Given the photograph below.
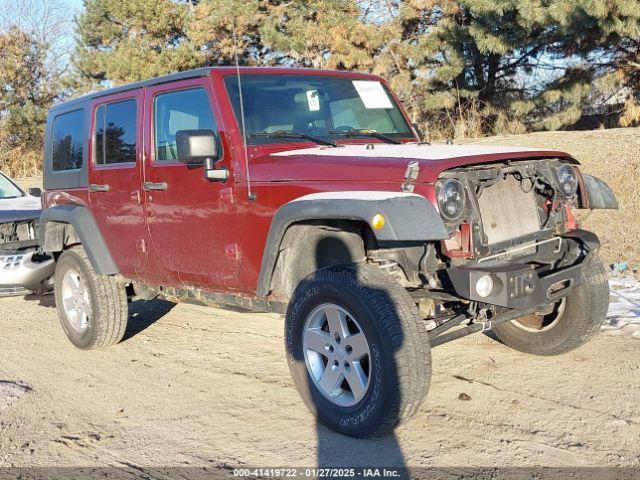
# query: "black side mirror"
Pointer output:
{"type": "Point", "coordinates": [35, 192]}
{"type": "Point", "coordinates": [196, 146]}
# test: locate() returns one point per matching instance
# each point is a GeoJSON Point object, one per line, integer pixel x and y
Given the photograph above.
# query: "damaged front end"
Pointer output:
{"type": "Point", "coordinates": [514, 248]}
{"type": "Point", "coordinates": [516, 243]}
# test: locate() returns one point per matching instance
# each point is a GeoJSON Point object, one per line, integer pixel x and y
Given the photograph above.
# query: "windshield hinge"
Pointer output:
{"type": "Point", "coordinates": [410, 176]}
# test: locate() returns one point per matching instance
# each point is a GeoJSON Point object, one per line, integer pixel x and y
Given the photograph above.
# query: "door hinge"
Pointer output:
{"type": "Point", "coordinates": [410, 176]}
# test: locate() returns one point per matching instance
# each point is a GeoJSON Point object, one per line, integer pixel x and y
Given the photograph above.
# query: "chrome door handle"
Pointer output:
{"type": "Point", "coordinates": [148, 186]}
{"type": "Point", "coordinates": [99, 188]}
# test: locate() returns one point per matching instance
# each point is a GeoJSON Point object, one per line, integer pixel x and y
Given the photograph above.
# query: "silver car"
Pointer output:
{"type": "Point", "coordinates": [22, 265]}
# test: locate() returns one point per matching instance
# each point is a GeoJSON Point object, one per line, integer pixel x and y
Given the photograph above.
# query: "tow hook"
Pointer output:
{"type": "Point", "coordinates": [484, 319]}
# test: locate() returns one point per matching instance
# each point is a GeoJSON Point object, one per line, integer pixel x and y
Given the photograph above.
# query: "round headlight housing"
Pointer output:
{"type": "Point", "coordinates": [451, 199]}
{"type": "Point", "coordinates": [567, 180]}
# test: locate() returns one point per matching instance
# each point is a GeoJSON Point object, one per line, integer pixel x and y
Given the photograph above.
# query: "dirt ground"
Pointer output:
{"type": "Point", "coordinates": [195, 386]}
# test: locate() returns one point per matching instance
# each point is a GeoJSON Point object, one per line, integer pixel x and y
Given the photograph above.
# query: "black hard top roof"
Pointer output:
{"type": "Point", "coordinates": [196, 73]}
{"type": "Point", "coordinates": [77, 102]}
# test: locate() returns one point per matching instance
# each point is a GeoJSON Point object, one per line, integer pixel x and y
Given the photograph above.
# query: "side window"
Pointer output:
{"type": "Point", "coordinates": [116, 133]}
{"type": "Point", "coordinates": [68, 137]}
{"type": "Point", "coordinates": [179, 110]}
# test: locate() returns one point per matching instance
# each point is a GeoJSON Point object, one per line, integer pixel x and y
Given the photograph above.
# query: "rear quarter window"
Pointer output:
{"type": "Point", "coordinates": [68, 138]}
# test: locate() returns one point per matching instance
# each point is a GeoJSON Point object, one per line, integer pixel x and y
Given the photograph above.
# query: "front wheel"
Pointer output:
{"type": "Point", "coordinates": [93, 308]}
{"type": "Point", "coordinates": [571, 323]}
{"type": "Point", "coordinates": [357, 351]}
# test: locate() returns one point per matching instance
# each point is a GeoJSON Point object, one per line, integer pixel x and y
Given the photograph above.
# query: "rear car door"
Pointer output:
{"type": "Point", "coordinates": [115, 176]}
{"type": "Point", "coordinates": [191, 219]}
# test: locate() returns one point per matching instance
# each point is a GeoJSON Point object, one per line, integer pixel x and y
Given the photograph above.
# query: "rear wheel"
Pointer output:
{"type": "Point", "coordinates": [357, 350]}
{"type": "Point", "coordinates": [570, 323]}
{"type": "Point", "coordinates": [92, 308]}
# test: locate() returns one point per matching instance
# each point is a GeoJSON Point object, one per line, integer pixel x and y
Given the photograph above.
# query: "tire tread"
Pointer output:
{"type": "Point", "coordinates": [399, 323]}
{"type": "Point", "coordinates": [110, 307]}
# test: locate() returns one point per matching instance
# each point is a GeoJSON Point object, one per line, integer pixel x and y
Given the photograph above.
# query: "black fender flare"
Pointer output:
{"type": "Point", "coordinates": [87, 231]}
{"type": "Point", "coordinates": [409, 217]}
{"type": "Point", "coordinates": [596, 194]}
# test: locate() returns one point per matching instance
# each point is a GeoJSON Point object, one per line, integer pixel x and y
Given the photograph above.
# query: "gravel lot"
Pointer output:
{"type": "Point", "coordinates": [195, 386]}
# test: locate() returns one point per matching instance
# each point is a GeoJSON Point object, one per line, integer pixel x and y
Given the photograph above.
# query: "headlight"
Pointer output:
{"type": "Point", "coordinates": [568, 180]}
{"type": "Point", "coordinates": [451, 199]}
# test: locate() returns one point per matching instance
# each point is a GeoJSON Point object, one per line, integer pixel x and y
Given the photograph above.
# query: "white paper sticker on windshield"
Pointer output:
{"type": "Point", "coordinates": [313, 99]}
{"type": "Point", "coordinates": [372, 94]}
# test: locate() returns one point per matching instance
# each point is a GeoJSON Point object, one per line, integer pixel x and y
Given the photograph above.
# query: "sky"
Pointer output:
{"type": "Point", "coordinates": [75, 4]}
{"type": "Point", "coordinates": [75, 7]}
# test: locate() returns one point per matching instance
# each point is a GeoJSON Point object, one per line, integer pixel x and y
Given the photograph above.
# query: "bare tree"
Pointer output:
{"type": "Point", "coordinates": [50, 22]}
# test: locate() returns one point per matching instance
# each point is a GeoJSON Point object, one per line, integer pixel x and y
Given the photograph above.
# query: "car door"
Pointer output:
{"type": "Point", "coordinates": [115, 175]}
{"type": "Point", "coordinates": [190, 219]}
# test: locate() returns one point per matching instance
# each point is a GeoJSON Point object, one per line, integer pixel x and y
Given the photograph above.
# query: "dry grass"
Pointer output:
{"type": "Point", "coordinates": [614, 156]}
{"type": "Point", "coordinates": [21, 161]}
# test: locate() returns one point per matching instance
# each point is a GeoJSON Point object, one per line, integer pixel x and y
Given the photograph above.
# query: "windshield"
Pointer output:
{"type": "Point", "coordinates": [330, 108]}
{"type": "Point", "coordinates": [8, 189]}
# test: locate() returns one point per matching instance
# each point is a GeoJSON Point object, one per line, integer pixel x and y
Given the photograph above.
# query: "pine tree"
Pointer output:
{"type": "Point", "coordinates": [322, 34]}
{"type": "Point", "coordinates": [493, 66]}
{"type": "Point", "coordinates": [226, 29]}
{"type": "Point", "coordinates": [127, 40]}
{"type": "Point", "coordinates": [462, 68]}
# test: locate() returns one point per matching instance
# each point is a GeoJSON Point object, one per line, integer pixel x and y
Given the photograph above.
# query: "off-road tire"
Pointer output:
{"type": "Point", "coordinates": [585, 311]}
{"type": "Point", "coordinates": [401, 354]}
{"type": "Point", "coordinates": [108, 321]}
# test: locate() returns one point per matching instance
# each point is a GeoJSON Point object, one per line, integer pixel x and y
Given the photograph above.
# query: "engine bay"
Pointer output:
{"type": "Point", "coordinates": [501, 207]}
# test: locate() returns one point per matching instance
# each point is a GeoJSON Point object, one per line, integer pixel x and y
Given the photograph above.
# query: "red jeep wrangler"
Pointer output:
{"type": "Point", "coordinates": [309, 193]}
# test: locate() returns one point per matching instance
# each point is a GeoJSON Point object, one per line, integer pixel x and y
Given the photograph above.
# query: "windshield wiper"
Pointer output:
{"type": "Point", "coordinates": [365, 133]}
{"type": "Point", "coordinates": [292, 134]}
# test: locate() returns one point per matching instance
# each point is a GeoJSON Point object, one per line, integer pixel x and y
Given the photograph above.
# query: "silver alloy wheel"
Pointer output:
{"type": "Point", "coordinates": [76, 301]}
{"type": "Point", "coordinates": [541, 323]}
{"type": "Point", "coordinates": [337, 354]}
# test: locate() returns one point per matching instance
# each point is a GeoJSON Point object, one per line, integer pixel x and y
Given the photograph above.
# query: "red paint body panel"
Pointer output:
{"type": "Point", "coordinates": [209, 234]}
{"type": "Point", "coordinates": [192, 221]}
{"type": "Point", "coordinates": [340, 169]}
{"type": "Point", "coordinates": [119, 212]}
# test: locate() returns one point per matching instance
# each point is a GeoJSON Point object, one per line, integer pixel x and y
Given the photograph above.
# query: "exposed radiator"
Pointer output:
{"type": "Point", "coordinates": [507, 211]}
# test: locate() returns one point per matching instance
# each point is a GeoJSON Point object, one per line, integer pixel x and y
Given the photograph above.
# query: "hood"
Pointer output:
{"type": "Point", "coordinates": [380, 162]}
{"type": "Point", "coordinates": [21, 208]}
